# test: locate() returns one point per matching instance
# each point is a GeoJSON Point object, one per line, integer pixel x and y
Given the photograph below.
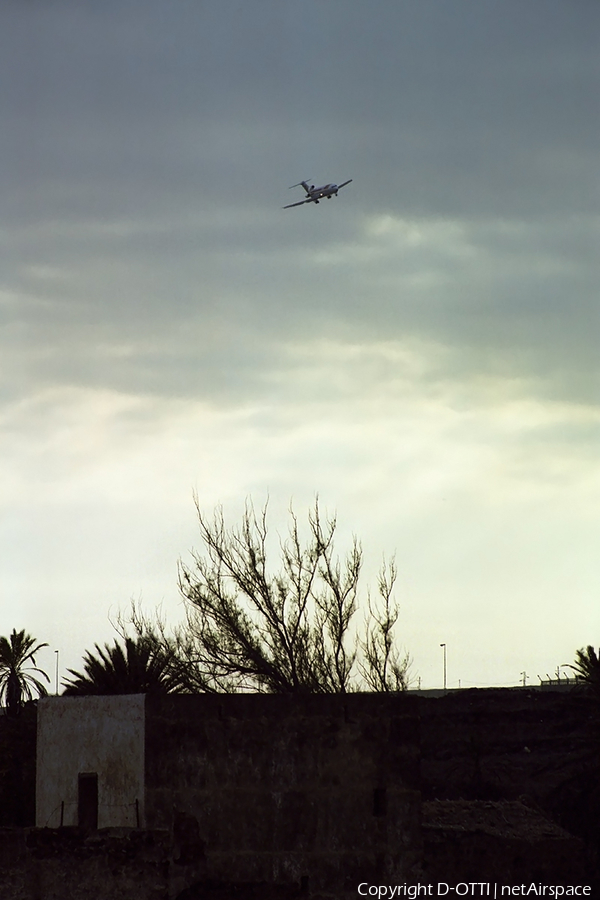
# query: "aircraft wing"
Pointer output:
{"type": "Point", "coordinates": [301, 203]}
{"type": "Point", "coordinates": [344, 184]}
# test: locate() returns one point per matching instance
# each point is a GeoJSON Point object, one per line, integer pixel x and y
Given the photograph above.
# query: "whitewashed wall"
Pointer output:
{"type": "Point", "coordinates": [90, 734]}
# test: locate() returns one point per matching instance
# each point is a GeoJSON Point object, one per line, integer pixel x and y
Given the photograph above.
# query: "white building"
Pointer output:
{"type": "Point", "coordinates": [90, 761]}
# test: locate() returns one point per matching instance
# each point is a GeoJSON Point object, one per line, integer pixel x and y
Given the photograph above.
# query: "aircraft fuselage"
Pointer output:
{"type": "Point", "coordinates": [315, 194]}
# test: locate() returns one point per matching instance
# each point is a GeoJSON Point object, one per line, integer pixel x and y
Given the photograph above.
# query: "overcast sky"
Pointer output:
{"type": "Point", "coordinates": [421, 351]}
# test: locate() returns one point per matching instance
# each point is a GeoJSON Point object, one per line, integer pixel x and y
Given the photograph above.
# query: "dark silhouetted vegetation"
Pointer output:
{"type": "Point", "coordinates": [17, 663]}
{"type": "Point", "coordinates": [587, 668]}
{"type": "Point", "coordinates": [250, 628]}
{"type": "Point", "coordinates": [137, 667]}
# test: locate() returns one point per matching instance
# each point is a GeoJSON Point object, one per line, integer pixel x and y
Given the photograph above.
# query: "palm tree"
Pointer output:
{"type": "Point", "coordinates": [17, 653]}
{"type": "Point", "coordinates": [139, 668]}
{"type": "Point", "coordinates": [587, 667]}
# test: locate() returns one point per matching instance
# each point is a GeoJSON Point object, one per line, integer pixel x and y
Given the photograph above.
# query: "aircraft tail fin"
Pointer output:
{"type": "Point", "coordinates": [304, 184]}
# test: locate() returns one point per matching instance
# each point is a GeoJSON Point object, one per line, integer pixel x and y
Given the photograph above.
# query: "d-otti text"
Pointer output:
{"type": "Point", "coordinates": [471, 889]}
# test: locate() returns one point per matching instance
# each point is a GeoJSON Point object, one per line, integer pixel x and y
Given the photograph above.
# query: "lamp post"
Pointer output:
{"type": "Point", "coordinates": [444, 646]}
{"type": "Point", "coordinates": [563, 666]}
{"type": "Point", "coordinates": [56, 651]}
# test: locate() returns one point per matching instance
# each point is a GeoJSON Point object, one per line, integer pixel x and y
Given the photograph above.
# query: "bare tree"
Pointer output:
{"type": "Point", "coordinates": [288, 631]}
{"type": "Point", "coordinates": [382, 667]}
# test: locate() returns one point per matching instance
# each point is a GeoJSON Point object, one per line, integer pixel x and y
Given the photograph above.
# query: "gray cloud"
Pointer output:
{"type": "Point", "coordinates": [422, 349]}
{"type": "Point", "coordinates": [147, 155]}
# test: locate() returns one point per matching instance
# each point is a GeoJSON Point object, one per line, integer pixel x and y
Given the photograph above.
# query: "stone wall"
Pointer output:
{"type": "Point", "coordinates": [500, 744]}
{"type": "Point", "coordinates": [475, 840]}
{"type": "Point", "coordinates": [17, 768]}
{"type": "Point", "coordinates": [306, 792]}
{"type": "Point", "coordinates": [275, 797]}
{"type": "Point", "coordinates": [537, 746]}
{"type": "Point", "coordinates": [67, 864]}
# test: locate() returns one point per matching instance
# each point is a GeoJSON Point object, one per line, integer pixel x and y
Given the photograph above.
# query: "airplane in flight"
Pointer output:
{"type": "Point", "coordinates": [314, 194]}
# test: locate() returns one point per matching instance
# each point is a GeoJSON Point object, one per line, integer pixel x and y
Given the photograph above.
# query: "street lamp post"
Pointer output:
{"type": "Point", "coordinates": [444, 646]}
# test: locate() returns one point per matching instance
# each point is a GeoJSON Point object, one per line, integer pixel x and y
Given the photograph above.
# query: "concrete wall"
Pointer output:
{"type": "Point", "coordinates": [90, 734]}
{"type": "Point", "coordinates": [298, 791]}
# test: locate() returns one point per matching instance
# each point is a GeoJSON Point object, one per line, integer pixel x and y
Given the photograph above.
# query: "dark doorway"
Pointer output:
{"type": "Point", "coordinates": [379, 802]}
{"type": "Point", "coordinates": [87, 805]}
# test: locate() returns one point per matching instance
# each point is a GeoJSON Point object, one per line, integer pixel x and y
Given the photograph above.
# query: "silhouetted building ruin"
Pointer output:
{"type": "Point", "coordinates": [241, 797]}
